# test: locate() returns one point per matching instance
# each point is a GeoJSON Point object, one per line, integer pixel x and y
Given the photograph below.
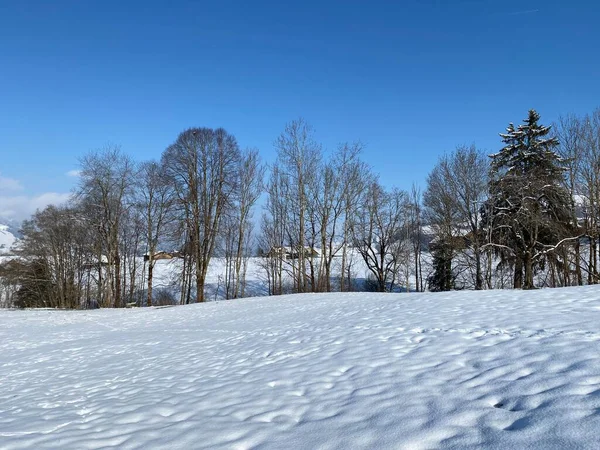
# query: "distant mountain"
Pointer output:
{"type": "Point", "coordinates": [9, 232]}
{"type": "Point", "coordinates": [7, 238]}
{"type": "Point", "coordinates": [12, 225]}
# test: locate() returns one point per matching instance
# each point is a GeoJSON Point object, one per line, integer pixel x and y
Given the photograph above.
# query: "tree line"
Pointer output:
{"type": "Point", "coordinates": [524, 217]}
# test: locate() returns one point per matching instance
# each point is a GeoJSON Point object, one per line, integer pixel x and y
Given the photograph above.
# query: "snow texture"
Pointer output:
{"type": "Point", "coordinates": [468, 370]}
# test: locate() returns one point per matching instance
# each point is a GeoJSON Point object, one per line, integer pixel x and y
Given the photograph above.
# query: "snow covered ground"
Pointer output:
{"type": "Point", "coordinates": [496, 369]}
{"type": "Point", "coordinates": [167, 275]}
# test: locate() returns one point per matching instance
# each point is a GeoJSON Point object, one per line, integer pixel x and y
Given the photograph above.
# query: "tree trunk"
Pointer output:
{"type": "Point", "coordinates": [189, 278]}
{"type": "Point", "coordinates": [518, 277]}
{"type": "Point", "coordinates": [528, 271]}
{"type": "Point", "coordinates": [478, 274]}
{"type": "Point", "coordinates": [552, 273]}
{"type": "Point", "coordinates": [381, 281]}
{"type": "Point", "coordinates": [150, 273]}
{"type": "Point", "coordinates": [590, 278]}
{"type": "Point", "coordinates": [448, 272]}
{"type": "Point", "coordinates": [566, 272]}
{"type": "Point", "coordinates": [117, 281]}
{"type": "Point", "coordinates": [199, 284]}
{"type": "Point", "coordinates": [343, 264]}
{"type": "Point", "coordinates": [595, 265]}
{"type": "Point", "coordinates": [417, 278]}
{"type": "Point", "coordinates": [578, 263]}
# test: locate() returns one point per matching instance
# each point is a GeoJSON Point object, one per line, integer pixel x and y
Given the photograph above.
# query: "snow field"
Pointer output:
{"type": "Point", "coordinates": [494, 369]}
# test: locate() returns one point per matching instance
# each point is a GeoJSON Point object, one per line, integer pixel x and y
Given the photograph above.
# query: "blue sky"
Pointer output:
{"type": "Point", "coordinates": [410, 79]}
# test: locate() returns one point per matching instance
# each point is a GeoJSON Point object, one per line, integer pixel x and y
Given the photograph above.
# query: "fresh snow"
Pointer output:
{"type": "Point", "coordinates": [494, 369]}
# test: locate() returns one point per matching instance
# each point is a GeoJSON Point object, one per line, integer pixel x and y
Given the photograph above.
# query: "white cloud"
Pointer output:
{"type": "Point", "coordinates": [73, 173]}
{"type": "Point", "coordinates": [20, 207]}
{"type": "Point", "coordinates": [10, 184]}
{"type": "Point", "coordinates": [18, 203]}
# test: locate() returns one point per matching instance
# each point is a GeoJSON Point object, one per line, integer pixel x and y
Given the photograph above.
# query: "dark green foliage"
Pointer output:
{"type": "Point", "coordinates": [442, 278]}
{"type": "Point", "coordinates": [33, 281]}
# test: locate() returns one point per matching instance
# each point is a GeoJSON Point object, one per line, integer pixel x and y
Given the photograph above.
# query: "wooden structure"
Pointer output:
{"type": "Point", "coordinates": [292, 252]}
{"type": "Point", "coordinates": [163, 255]}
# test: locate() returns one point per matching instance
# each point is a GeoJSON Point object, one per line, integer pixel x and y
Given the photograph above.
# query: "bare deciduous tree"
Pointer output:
{"type": "Point", "coordinates": [49, 268]}
{"type": "Point", "coordinates": [202, 166]}
{"type": "Point", "coordinates": [377, 233]}
{"type": "Point", "coordinates": [154, 201]}
{"type": "Point", "coordinates": [570, 132]}
{"type": "Point", "coordinates": [299, 157]}
{"type": "Point", "coordinates": [104, 187]}
{"type": "Point", "coordinates": [456, 191]}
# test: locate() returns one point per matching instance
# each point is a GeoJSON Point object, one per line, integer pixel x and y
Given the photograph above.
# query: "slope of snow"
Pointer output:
{"type": "Point", "coordinates": [167, 274]}
{"type": "Point", "coordinates": [6, 239]}
{"type": "Point", "coordinates": [496, 369]}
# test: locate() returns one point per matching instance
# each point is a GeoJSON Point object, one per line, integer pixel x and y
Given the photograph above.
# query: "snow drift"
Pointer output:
{"type": "Point", "coordinates": [495, 369]}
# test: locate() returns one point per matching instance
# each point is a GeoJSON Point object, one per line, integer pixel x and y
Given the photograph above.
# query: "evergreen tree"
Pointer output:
{"type": "Point", "coordinates": [529, 206]}
{"type": "Point", "coordinates": [442, 277]}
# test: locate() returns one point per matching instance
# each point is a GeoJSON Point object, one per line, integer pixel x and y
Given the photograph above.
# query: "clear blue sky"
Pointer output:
{"type": "Point", "coordinates": [411, 79]}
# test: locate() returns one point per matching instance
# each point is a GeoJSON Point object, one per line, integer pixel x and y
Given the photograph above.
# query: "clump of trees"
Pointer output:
{"type": "Point", "coordinates": [329, 211]}
{"type": "Point", "coordinates": [197, 200]}
{"type": "Point", "coordinates": [524, 217]}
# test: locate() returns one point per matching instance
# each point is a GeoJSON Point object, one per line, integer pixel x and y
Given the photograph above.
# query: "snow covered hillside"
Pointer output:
{"type": "Point", "coordinates": [6, 238]}
{"type": "Point", "coordinates": [494, 369]}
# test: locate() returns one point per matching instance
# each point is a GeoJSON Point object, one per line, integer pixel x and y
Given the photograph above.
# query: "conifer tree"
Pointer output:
{"type": "Point", "coordinates": [529, 205]}
{"type": "Point", "coordinates": [442, 277]}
